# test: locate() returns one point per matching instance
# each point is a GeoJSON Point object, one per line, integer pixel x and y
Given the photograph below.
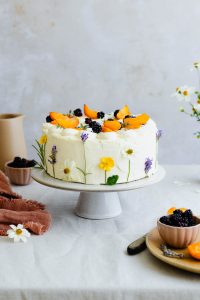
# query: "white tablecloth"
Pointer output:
{"type": "Point", "coordinates": [86, 259]}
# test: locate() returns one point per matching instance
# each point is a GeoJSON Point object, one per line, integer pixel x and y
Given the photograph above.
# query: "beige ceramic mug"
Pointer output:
{"type": "Point", "coordinates": [11, 137]}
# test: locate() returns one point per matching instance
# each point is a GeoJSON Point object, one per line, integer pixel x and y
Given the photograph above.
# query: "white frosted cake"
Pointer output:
{"type": "Point", "coordinates": [92, 147]}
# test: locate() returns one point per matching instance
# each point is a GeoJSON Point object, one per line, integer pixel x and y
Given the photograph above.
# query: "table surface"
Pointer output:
{"type": "Point", "coordinates": [86, 259]}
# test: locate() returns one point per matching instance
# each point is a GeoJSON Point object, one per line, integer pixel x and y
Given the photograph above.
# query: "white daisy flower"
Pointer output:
{"type": "Point", "coordinates": [69, 168]}
{"type": "Point", "coordinates": [128, 153]}
{"type": "Point", "coordinates": [18, 233]}
{"type": "Point", "coordinates": [195, 65]}
{"type": "Point", "coordinates": [197, 108]}
{"type": "Point", "coordinates": [184, 93]}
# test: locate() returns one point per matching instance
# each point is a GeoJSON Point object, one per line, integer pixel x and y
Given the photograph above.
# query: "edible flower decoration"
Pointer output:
{"type": "Point", "coordinates": [129, 154]}
{"type": "Point", "coordinates": [43, 139]}
{"type": "Point", "coordinates": [69, 168]}
{"type": "Point", "coordinates": [40, 148]}
{"type": "Point", "coordinates": [84, 136]}
{"type": "Point", "coordinates": [106, 164]}
{"type": "Point", "coordinates": [52, 157]}
{"type": "Point", "coordinates": [18, 233]}
{"type": "Point", "coordinates": [159, 134]}
{"type": "Point", "coordinates": [148, 165]}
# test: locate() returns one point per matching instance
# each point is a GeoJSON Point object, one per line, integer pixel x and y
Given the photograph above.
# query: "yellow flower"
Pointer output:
{"type": "Point", "coordinates": [106, 163]}
{"type": "Point", "coordinates": [43, 139]}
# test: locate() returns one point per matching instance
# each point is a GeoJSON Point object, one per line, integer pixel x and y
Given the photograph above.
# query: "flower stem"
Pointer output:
{"type": "Point", "coordinates": [198, 75]}
{"type": "Point", "coordinates": [129, 168]}
{"type": "Point", "coordinates": [45, 161]}
{"type": "Point", "coordinates": [85, 176]}
{"type": "Point", "coordinates": [105, 177]}
{"type": "Point", "coordinates": [53, 171]}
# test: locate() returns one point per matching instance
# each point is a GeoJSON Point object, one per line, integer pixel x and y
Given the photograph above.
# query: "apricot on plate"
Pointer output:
{"type": "Point", "coordinates": [122, 113]}
{"type": "Point", "coordinates": [113, 125]}
{"type": "Point", "coordinates": [89, 112]}
{"type": "Point", "coordinates": [194, 250]}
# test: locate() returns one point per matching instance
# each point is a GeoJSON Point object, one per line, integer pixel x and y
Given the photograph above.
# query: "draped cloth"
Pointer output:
{"type": "Point", "coordinates": [16, 210]}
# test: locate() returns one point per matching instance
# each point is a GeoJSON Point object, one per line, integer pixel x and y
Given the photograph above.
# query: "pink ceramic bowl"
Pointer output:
{"type": "Point", "coordinates": [179, 237]}
{"type": "Point", "coordinates": [18, 176]}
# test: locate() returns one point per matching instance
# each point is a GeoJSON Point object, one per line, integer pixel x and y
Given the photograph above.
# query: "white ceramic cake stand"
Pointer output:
{"type": "Point", "coordinates": [97, 201]}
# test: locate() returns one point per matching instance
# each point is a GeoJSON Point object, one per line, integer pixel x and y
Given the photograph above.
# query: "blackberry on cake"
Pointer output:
{"type": "Point", "coordinates": [100, 115]}
{"type": "Point", "coordinates": [88, 121]}
{"type": "Point", "coordinates": [96, 127]}
{"type": "Point", "coordinates": [48, 119]}
{"type": "Point", "coordinates": [116, 112]}
{"type": "Point", "coordinates": [78, 112]}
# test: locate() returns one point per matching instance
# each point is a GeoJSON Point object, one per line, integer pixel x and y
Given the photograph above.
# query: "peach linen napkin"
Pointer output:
{"type": "Point", "coordinates": [15, 210]}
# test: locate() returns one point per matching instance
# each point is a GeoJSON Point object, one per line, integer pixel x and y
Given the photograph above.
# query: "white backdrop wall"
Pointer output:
{"type": "Point", "coordinates": [58, 54]}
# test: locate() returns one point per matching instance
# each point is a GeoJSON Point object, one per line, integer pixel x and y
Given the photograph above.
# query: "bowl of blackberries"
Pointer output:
{"type": "Point", "coordinates": [179, 229]}
{"type": "Point", "coordinates": [19, 170]}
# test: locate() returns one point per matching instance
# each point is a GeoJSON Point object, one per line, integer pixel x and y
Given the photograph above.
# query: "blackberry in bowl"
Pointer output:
{"type": "Point", "coordinates": [179, 229]}
{"type": "Point", "coordinates": [19, 170]}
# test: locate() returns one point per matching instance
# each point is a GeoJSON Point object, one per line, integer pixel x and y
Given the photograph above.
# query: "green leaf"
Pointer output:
{"type": "Point", "coordinates": [112, 180]}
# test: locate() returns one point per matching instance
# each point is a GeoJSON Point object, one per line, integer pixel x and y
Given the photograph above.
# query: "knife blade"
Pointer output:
{"type": "Point", "coordinates": [137, 246]}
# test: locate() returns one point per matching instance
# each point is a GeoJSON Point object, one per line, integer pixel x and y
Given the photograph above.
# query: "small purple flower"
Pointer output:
{"type": "Point", "coordinates": [148, 165]}
{"type": "Point", "coordinates": [84, 136]}
{"type": "Point", "coordinates": [159, 134]}
{"type": "Point", "coordinates": [53, 155]}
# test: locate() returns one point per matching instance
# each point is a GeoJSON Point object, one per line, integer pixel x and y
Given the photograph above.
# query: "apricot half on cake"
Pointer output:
{"type": "Point", "coordinates": [143, 118]}
{"type": "Point", "coordinates": [67, 122]}
{"type": "Point", "coordinates": [89, 112]}
{"type": "Point", "coordinates": [106, 129]}
{"type": "Point", "coordinates": [56, 115]}
{"type": "Point", "coordinates": [113, 125]}
{"type": "Point", "coordinates": [131, 123]}
{"type": "Point", "coordinates": [122, 113]}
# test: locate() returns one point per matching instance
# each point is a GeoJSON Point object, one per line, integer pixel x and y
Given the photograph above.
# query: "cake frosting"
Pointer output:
{"type": "Point", "coordinates": [116, 148]}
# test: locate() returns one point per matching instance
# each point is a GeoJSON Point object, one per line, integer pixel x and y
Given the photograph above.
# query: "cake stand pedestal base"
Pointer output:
{"type": "Point", "coordinates": [95, 205]}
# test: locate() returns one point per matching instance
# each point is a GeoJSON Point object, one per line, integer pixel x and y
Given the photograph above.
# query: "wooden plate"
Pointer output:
{"type": "Point", "coordinates": [153, 241]}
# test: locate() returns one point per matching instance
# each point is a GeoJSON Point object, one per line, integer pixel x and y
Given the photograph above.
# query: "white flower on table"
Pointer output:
{"type": "Point", "coordinates": [18, 233]}
{"type": "Point", "coordinates": [184, 93]}
{"type": "Point", "coordinates": [69, 169]}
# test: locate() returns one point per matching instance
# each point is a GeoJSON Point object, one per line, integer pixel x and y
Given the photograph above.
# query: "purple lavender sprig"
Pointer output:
{"type": "Point", "coordinates": [148, 165]}
{"type": "Point", "coordinates": [52, 157]}
{"type": "Point", "coordinates": [84, 136]}
{"type": "Point", "coordinates": [159, 134]}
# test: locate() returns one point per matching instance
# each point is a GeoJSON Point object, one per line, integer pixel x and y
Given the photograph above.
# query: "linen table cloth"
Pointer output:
{"type": "Point", "coordinates": [86, 259]}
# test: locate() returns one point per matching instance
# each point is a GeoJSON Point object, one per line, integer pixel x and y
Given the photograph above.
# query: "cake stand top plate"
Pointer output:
{"type": "Point", "coordinates": [43, 178]}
